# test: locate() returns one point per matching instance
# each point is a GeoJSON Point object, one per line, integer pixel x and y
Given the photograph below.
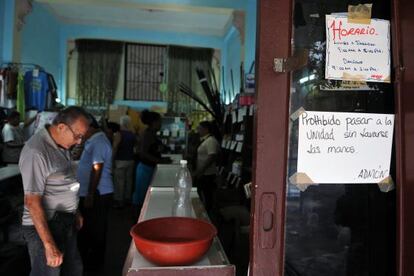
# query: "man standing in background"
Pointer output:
{"type": "Point", "coordinates": [13, 137]}
{"type": "Point", "coordinates": [50, 216]}
{"type": "Point", "coordinates": [96, 190]}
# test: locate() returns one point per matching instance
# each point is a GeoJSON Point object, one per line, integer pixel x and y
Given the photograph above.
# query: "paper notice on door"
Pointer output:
{"type": "Point", "coordinates": [357, 52]}
{"type": "Point", "coordinates": [339, 147]}
{"type": "Point", "coordinates": [242, 113]}
{"type": "Point", "coordinates": [228, 144]}
{"type": "Point", "coordinates": [345, 86]}
{"type": "Point", "coordinates": [251, 110]}
{"type": "Point", "coordinates": [234, 117]}
{"type": "Point", "coordinates": [239, 147]}
{"type": "Point", "coordinates": [233, 145]}
{"type": "Point", "coordinates": [225, 116]}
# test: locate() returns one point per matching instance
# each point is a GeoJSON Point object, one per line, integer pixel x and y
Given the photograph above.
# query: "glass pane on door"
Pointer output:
{"type": "Point", "coordinates": [335, 229]}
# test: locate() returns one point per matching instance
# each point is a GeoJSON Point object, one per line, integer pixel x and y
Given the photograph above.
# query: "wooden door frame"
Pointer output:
{"type": "Point", "coordinates": [404, 80]}
{"type": "Point", "coordinates": [271, 138]}
{"type": "Point", "coordinates": [274, 33]}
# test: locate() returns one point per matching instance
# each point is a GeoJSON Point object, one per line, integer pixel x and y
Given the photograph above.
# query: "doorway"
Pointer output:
{"type": "Point", "coordinates": [329, 229]}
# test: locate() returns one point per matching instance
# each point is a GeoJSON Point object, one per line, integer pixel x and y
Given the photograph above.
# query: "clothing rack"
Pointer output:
{"type": "Point", "coordinates": [21, 65]}
{"type": "Point", "coordinates": [39, 90]}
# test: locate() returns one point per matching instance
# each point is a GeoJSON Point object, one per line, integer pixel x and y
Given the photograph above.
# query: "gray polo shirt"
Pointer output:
{"type": "Point", "coordinates": [47, 171]}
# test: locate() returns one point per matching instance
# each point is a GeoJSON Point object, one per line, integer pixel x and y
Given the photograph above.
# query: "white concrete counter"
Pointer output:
{"type": "Point", "coordinates": [164, 175]}
{"type": "Point", "coordinates": [158, 203]}
{"type": "Point", "coordinates": [9, 171]}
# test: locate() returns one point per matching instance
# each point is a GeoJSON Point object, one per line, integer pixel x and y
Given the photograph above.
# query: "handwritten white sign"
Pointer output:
{"type": "Point", "coordinates": [357, 51]}
{"type": "Point", "coordinates": [346, 86]}
{"type": "Point", "coordinates": [339, 147]}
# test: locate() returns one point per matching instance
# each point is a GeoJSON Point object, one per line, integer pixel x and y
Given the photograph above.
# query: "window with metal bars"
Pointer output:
{"type": "Point", "coordinates": [144, 71]}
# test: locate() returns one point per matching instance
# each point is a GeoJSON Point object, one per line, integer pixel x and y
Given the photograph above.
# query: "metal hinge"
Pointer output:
{"type": "Point", "coordinates": [279, 65]}
{"type": "Point", "coordinates": [295, 62]}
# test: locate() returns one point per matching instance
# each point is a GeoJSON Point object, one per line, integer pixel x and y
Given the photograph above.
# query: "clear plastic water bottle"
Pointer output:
{"type": "Point", "coordinates": [182, 191]}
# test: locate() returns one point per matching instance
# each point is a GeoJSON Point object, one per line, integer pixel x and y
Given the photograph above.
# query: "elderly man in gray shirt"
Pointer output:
{"type": "Point", "coordinates": [50, 216]}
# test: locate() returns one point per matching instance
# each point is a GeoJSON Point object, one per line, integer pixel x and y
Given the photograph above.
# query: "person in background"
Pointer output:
{"type": "Point", "coordinates": [149, 152]}
{"type": "Point", "coordinates": [193, 140]}
{"type": "Point", "coordinates": [50, 217]}
{"type": "Point", "coordinates": [206, 167]}
{"type": "Point", "coordinates": [110, 130]}
{"type": "Point", "coordinates": [123, 152]}
{"type": "Point", "coordinates": [96, 190]}
{"type": "Point", "coordinates": [13, 137]}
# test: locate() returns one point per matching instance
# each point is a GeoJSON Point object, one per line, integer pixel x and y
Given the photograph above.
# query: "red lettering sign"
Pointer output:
{"type": "Point", "coordinates": [338, 31]}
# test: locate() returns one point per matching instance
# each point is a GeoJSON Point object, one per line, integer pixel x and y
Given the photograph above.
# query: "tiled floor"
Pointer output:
{"type": "Point", "coordinates": [118, 241]}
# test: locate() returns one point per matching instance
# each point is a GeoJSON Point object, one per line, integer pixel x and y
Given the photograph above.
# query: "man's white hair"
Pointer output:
{"type": "Point", "coordinates": [125, 121]}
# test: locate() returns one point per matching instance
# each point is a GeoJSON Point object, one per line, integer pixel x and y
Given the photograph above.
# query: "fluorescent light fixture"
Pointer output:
{"type": "Point", "coordinates": [307, 78]}
{"type": "Point", "coordinates": [303, 80]}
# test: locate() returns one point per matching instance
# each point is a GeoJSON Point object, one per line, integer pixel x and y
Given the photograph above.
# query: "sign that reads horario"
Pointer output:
{"type": "Point", "coordinates": [357, 51]}
{"type": "Point", "coordinates": [337, 147]}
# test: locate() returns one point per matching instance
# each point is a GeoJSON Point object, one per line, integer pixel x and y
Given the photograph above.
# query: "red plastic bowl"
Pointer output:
{"type": "Point", "coordinates": [172, 241]}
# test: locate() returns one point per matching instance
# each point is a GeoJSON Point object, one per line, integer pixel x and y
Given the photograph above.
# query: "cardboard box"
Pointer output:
{"type": "Point", "coordinates": [115, 112]}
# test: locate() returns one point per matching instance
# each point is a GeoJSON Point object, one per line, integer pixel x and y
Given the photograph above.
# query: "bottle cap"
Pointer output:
{"type": "Point", "coordinates": [183, 162]}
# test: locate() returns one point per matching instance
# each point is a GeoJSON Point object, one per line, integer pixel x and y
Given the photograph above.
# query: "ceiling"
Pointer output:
{"type": "Point", "coordinates": [184, 18]}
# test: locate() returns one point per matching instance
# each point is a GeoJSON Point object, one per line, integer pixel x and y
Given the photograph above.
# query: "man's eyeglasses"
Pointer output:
{"type": "Point", "coordinates": [76, 136]}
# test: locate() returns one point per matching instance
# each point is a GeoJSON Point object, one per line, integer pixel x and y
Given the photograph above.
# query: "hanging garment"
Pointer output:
{"type": "Point", "coordinates": [4, 100]}
{"type": "Point", "coordinates": [36, 87]}
{"type": "Point", "coordinates": [52, 83]}
{"type": "Point", "coordinates": [2, 91]}
{"type": "Point", "coordinates": [20, 103]}
{"type": "Point", "coordinates": [11, 77]}
{"type": "Point", "coordinates": [52, 92]}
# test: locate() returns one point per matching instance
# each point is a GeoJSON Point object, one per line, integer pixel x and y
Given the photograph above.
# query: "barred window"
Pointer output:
{"type": "Point", "coordinates": [144, 70]}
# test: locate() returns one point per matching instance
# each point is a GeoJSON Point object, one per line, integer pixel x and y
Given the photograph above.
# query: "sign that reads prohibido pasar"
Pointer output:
{"type": "Point", "coordinates": [339, 147]}
{"type": "Point", "coordinates": [358, 52]}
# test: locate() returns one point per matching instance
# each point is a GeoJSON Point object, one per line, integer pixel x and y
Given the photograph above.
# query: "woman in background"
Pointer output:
{"type": "Point", "coordinates": [149, 152]}
{"type": "Point", "coordinates": [123, 145]}
{"type": "Point", "coordinates": [206, 168]}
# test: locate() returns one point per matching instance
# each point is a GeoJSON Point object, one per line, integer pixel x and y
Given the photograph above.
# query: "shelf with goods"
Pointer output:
{"type": "Point", "coordinates": [173, 134]}
{"type": "Point", "coordinates": [237, 148]}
